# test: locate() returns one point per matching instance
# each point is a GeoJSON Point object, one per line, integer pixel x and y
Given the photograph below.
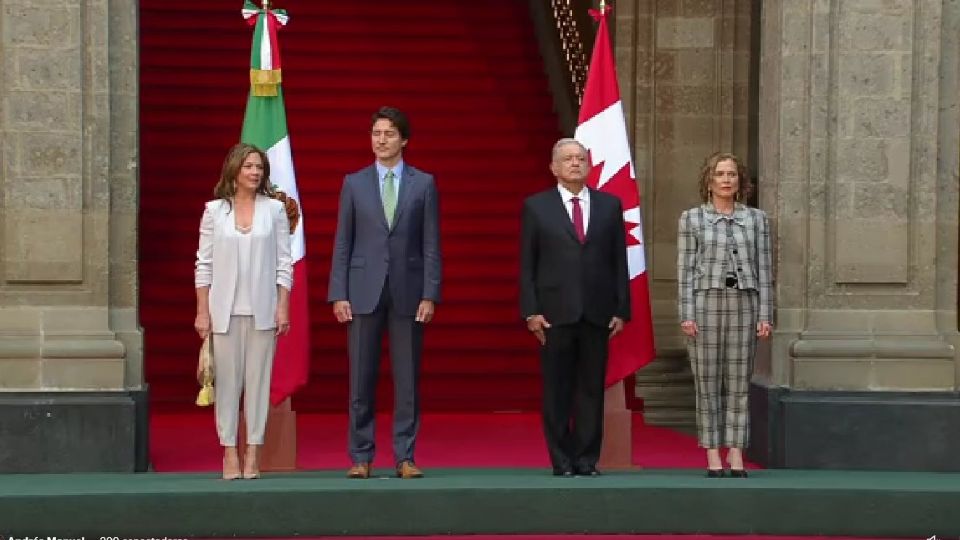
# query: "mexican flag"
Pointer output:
{"type": "Point", "coordinates": [602, 130]}
{"type": "Point", "coordinates": [265, 126]}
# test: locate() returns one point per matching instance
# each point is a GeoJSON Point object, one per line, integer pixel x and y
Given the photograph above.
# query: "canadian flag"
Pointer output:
{"type": "Point", "coordinates": [603, 130]}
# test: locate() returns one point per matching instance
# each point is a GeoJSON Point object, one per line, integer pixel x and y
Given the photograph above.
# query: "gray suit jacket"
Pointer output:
{"type": "Point", "coordinates": [704, 249]}
{"type": "Point", "coordinates": [366, 250]}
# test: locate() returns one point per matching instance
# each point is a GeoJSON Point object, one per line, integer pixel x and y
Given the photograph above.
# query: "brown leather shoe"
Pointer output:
{"type": "Point", "coordinates": [359, 470]}
{"type": "Point", "coordinates": [406, 469]}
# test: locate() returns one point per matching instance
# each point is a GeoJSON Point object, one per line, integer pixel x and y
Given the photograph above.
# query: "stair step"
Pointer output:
{"type": "Point", "coordinates": [666, 392]}
{"type": "Point", "coordinates": [670, 417]}
{"type": "Point", "coordinates": [669, 403]}
{"type": "Point", "coordinates": [665, 377]}
{"type": "Point", "coordinates": [666, 387]}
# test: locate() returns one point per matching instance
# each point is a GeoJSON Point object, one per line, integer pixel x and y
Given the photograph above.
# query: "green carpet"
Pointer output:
{"type": "Point", "coordinates": [490, 501]}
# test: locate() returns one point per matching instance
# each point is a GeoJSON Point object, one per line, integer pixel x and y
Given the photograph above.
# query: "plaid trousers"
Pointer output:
{"type": "Point", "coordinates": [721, 357]}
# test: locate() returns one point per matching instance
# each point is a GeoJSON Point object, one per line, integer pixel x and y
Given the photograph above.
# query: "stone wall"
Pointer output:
{"type": "Point", "coordinates": [71, 358]}
{"type": "Point", "coordinates": [68, 252]}
{"type": "Point", "coordinates": [853, 132]}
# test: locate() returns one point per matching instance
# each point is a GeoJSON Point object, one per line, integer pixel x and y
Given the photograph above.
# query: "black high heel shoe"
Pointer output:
{"type": "Point", "coordinates": [715, 473]}
{"type": "Point", "coordinates": [738, 473]}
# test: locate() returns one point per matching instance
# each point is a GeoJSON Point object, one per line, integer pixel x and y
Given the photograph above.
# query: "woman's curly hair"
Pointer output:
{"type": "Point", "coordinates": [745, 185]}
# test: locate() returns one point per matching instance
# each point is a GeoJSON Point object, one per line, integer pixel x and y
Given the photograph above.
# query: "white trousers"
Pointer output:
{"type": "Point", "coordinates": [242, 363]}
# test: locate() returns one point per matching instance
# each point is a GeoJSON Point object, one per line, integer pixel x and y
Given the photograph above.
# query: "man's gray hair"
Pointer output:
{"type": "Point", "coordinates": [563, 142]}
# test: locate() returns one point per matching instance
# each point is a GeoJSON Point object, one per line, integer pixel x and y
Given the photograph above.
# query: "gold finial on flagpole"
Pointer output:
{"type": "Point", "coordinates": [266, 4]}
{"type": "Point", "coordinates": [603, 5]}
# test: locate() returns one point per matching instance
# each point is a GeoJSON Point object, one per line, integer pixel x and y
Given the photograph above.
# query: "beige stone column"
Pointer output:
{"type": "Point", "coordinates": [859, 125]}
{"type": "Point", "coordinates": [68, 203]}
{"type": "Point", "coordinates": [866, 225]}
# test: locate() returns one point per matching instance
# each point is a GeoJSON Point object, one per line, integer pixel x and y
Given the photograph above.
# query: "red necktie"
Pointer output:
{"type": "Point", "coordinates": [578, 219]}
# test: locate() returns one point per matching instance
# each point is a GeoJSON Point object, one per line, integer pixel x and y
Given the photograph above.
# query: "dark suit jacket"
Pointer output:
{"type": "Point", "coordinates": [366, 250]}
{"type": "Point", "coordinates": [564, 280]}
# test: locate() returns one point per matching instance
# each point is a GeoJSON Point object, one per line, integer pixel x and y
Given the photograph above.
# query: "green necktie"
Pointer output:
{"type": "Point", "coordinates": [389, 196]}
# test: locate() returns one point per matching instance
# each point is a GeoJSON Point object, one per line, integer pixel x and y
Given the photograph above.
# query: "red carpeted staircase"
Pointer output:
{"type": "Point", "coordinates": [470, 77]}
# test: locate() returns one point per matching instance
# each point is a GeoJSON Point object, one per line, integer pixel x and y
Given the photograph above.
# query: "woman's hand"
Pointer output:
{"type": "Point", "coordinates": [689, 328]}
{"type": "Point", "coordinates": [764, 329]}
{"type": "Point", "coordinates": [282, 318]}
{"type": "Point", "coordinates": [202, 325]}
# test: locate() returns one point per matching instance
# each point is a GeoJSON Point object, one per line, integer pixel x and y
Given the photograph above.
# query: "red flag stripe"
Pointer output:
{"type": "Point", "coordinates": [291, 363]}
{"type": "Point", "coordinates": [272, 25]}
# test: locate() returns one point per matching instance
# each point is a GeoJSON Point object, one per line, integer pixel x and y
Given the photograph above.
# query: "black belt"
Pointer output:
{"type": "Point", "coordinates": [731, 281]}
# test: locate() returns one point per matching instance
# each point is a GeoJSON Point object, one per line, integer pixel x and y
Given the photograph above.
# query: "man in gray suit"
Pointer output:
{"type": "Point", "coordinates": [385, 271]}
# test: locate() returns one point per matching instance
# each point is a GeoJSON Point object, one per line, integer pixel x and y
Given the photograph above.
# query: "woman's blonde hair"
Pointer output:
{"type": "Point", "coordinates": [226, 188]}
{"type": "Point", "coordinates": [744, 184]}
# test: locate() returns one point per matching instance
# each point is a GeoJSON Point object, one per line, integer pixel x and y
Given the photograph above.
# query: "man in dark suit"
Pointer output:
{"type": "Point", "coordinates": [385, 271]}
{"type": "Point", "coordinates": [574, 296]}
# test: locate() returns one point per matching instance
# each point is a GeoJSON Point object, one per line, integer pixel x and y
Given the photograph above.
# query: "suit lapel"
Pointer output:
{"type": "Point", "coordinates": [407, 178]}
{"type": "Point", "coordinates": [374, 185]}
{"type": "Point", "coordinates": [561, 215]}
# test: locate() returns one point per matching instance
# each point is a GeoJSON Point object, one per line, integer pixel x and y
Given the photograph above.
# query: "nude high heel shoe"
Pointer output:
{"type": "Point", "coordinates": [231, 463]}
{"type": "Point", "coordinates": [251, 462]}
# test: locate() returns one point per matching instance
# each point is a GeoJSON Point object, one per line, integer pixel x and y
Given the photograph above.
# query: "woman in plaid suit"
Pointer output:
{"type": "Point", "coordinates": [725, 279]}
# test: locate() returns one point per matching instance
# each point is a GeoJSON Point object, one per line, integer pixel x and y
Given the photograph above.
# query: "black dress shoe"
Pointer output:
{"type": "Point", "coordinates": [563, 471]}
{"type": "Point", "coordinates": [738, 473]}
{"type": "Point", "coordinates": [588, 470]}
{"type": "Point", "coordinates": [715, 473]}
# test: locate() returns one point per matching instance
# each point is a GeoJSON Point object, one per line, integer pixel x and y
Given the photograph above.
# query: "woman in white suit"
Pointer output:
{"type": "Point", "coordinates": [243, 279]}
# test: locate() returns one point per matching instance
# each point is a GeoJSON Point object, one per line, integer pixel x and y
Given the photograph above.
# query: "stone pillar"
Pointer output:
{"type": "Point", "coordinates": [684, 69]}
{"type": "Point", "coordinates": [858, 165]}
{"type": "Point", "coordinates": [71, 383]}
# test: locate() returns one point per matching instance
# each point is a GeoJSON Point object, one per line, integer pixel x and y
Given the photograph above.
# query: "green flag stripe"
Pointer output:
{"type": "Point", "coordinates": [257, 36]}
{"type": "Point", "coordinates": [265, 122]}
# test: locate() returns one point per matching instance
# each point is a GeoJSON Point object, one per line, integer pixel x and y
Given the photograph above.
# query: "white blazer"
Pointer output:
{"type": "Point", "coordinates": [218, 260]}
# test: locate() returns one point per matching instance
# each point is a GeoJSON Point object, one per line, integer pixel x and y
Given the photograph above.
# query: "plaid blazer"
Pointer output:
{"type": "Point", "coordinates": [704, 252]}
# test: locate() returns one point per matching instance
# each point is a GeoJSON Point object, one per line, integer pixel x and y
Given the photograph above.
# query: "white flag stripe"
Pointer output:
{"type": "Point", "coordinates": [605, 135]}
{"type": "Point", "coordinates": [281, 174]}
{"type": "Point", "coordinates": [266, 58]}
{"type": "Point", "coordinates": [632, 215]}
{"type": "Point", "coordinates": [636, 260]}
